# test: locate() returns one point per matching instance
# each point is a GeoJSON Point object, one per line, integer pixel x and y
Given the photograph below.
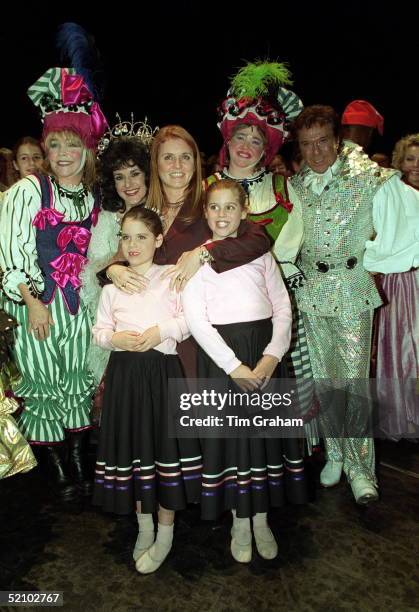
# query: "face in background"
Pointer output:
{"type": "Point", "coordinates": [223, 213]}
{"type": "Point", "coordinates": [130, 184]}
{"type": "Point", "coordinates": [175, 164]}
{"type": "Point", "coordinates": [29, 159]}
{"type": "Point", "coordinates": [360, 134]}
{"type": "Point", "coordinates": [278, 166]}
{"type": "Point", "coordinates": [246, 148]}
{"type": "Point", "coordinates": [318, 147]}
{"type": "Point", "coordinates": [138, 243]}
{"type": "Point", "coordinates": [410, 165]}
{"type": "Point", "coordinates": [66, 155]}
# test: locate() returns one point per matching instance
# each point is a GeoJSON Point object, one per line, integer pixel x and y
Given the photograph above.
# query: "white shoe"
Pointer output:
{"type": "Point", "coordinates": [265, 542]}
{"type": "Point", "coordinates": [331, 473]}
{"type": "Point", "coordinates": [364, 491]}
{"type": "Point", "coordinates": [241, 545]}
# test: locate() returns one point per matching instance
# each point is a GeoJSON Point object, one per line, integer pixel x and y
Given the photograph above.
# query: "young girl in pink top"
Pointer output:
{"type": "Point", "coordinates": [242, 321]}
{"type": "Point", "coordinates": [137, 462]}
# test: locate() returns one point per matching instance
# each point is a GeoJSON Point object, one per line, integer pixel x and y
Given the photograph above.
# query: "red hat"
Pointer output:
{"type": "Point", "coordinates": [360, 112]}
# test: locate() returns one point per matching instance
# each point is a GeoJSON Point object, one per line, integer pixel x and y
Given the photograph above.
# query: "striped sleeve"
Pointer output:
{"type": "Point", "coordinates": [18, 254]}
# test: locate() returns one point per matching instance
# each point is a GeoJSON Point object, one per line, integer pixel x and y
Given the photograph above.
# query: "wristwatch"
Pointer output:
{"type": "Point", "coordinates": [205, 256]}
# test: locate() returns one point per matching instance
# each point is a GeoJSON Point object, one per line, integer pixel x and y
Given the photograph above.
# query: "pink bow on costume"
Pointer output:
{"type": "Point", "coordinates": [68, 267]}
{"type": "Point", "coordinates": [47, 215]}
{"type": "Point", "coordinates": [75, 91]}
{"type": "Point", "coordinates": [79, 235]}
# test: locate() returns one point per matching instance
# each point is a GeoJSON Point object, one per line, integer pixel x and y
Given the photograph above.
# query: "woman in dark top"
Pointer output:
{"type": "Point", "coordinates": [175, 192]}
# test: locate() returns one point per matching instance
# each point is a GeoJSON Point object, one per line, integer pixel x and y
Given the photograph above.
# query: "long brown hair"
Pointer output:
{"type": "Point", "coordinates": [156, 199]}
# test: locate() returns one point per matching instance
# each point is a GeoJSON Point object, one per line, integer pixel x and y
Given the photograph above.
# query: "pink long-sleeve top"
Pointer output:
{"type": "Point", "coordinates": [251, 292]}
{"type": "Point", "coordinates": [155, 305]}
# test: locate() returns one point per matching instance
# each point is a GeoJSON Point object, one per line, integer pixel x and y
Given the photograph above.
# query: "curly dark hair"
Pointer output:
{"type": "Point", "coordinates": [121, 153]}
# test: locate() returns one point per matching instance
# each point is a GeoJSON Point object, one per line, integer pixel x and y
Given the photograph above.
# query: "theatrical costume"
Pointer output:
{"type": "Point", "coordinates": [341, 210]}
{"type": "Point", "coordinates": [248, 475]}
{"type": "Point", "coordinates": [137, 461]}
{"type": "Point", "coordinates": [397, 365]}
{"type": "Point", "coordinates": [257, 98]}
{"type": "Point", "coordinates": [44, 235]}
{"type": "Point", "coordinates": [45, 230]}
{"type": "Point", "coordinates": [15, 453]}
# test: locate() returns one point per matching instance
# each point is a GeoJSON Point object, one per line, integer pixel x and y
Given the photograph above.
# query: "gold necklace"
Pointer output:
{"type": "Point", "coordinates": [175, 205]}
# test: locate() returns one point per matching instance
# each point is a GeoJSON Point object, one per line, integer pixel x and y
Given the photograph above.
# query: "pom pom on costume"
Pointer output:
{"type": "Point", "coordinates": [257, 97]}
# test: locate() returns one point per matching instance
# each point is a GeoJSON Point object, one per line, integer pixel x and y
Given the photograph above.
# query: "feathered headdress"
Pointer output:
{"type": "Point", "coordinates": [66, 97]}
{"type": "Point", "coordinates": [257, 97]}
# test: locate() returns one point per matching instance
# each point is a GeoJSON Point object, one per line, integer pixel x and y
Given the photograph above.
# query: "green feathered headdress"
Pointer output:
{"type": "Point", "coordinates": [259, 79]}
{"type": "Point", "coordinates": [257, 96]}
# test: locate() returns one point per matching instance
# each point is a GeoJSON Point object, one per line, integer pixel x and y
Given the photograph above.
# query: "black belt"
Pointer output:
{"type": "Point", "coordinates": [324, 266]}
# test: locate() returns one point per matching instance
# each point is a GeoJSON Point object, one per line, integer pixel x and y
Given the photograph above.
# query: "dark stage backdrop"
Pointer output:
{"type": "Point", "coordinates": [170, 60]}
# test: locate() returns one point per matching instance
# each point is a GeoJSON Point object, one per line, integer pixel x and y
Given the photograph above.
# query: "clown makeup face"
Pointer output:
{"type": "Point", "coordinates": [318, 147]}
{"type": "Point", "coordinates": [67, 156]}
{"type": "Point", "coordinates": [29, 159]}
{"type": "Point", "coordinates": [246, 148]}
{"type": "Point", "coordinates": [410, 165]}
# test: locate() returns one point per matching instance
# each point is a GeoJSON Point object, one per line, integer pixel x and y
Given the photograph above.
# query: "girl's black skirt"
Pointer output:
{"type": "Point", "coordinates": [248, 474]}
{"type": "Point", "coordinates": [137, 461]}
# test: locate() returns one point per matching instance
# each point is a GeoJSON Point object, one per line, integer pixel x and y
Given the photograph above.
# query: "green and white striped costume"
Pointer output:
{"type": "Point", "coordinates": [55, 385]}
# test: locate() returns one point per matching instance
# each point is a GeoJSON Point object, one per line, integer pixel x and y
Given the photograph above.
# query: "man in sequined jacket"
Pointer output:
{"type": "Point", "coordinates": [345, 199]}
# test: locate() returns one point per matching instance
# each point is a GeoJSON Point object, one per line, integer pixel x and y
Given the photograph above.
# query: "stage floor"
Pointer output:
{"type": "Point", "coordinates": [333, 555]}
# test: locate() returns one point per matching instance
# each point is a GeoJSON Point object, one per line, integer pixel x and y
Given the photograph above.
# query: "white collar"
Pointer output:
{"type": "Point", "coordinates": [318, 181]}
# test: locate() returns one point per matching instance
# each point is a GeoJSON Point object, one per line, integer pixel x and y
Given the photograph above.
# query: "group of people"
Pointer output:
{"type": "Point", "coordinates": [245, 277]}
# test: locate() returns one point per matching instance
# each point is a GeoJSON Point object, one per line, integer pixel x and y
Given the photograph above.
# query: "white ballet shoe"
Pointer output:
{"type": "Point", "coordinates": [153, 558]}
{"type": "Point", "coordinates": [241, 545]}
{"type": "Point", "coordinates": [331, 473]}
{"type": "Point", "coordinates": [265, 542]}
{"type": "Point", "coordinates": [145, 538]}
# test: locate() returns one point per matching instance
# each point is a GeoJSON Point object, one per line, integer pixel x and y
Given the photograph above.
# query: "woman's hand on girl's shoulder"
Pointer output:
{"type": "Point", "coordinates": [245, 378]}
{"type": "Point", "coordinates": [125, 340]}
{"type": "Point", "coordinates": [186, 266]}
{"type": "Point", "coordinates": [125, 279]}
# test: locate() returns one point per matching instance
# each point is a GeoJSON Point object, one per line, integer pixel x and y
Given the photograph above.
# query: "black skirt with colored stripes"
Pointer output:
{"type": "Point", "coordinates": [249, 475]}
{"type": "Point", "coordinates": [137, 461]}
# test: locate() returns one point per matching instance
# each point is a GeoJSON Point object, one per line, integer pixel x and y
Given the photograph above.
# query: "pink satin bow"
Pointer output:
{"type": "Point", "coordinates": [68, 267]}
{"type": "Point", "coordinates": [47, 215]}
{"type": "Point", "coordinates": [75, 91]}
{"type": "Point", "coordinates": [79, 235]}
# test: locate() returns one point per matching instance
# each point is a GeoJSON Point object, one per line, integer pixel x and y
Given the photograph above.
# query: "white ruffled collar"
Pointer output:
{"type": "Point", "coordinates": [318, 181]}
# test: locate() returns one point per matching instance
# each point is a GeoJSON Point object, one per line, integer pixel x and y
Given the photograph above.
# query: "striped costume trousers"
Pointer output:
{"type": "Point", "coordinates": [55, 384]}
